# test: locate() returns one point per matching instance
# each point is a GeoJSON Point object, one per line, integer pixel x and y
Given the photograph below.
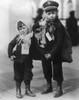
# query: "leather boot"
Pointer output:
{"type": "Point", "coordinates": [59, 92]}
{"type": "Point", "coordinates": [18, 90]}
{"type": "Point", "coordinates": [28, 91]}
{"type": "Point", "coordinates": [48, 89]}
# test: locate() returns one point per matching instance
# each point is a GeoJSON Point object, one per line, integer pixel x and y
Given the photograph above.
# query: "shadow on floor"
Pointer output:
{"type": "Point", "coordinates": [70, 85]}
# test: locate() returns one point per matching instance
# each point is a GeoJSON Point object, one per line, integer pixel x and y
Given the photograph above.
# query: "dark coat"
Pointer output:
{"type": "Point", "coordinates": [17, 52]}
{"type": "Point", "coordinates": [11, 47]}
{"type": "Point", "coordinates": [53, 47]}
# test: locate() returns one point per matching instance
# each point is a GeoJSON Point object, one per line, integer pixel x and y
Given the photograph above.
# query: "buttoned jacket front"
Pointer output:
{"type": "Point", "coordinates": [54, 47]}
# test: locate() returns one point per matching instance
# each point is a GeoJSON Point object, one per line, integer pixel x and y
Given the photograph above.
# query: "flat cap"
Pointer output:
{"type": "Point", "coordinates": [50, 5]}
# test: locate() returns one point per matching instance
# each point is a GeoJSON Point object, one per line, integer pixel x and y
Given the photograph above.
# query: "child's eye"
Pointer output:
{"type": "Point", "coordinates": [48, 13]}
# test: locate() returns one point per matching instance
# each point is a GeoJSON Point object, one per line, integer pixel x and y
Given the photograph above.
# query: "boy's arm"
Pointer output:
{"type": "Point", "coordinates": [11, 46]}
{"type": "Point", "coordinates": [59, 42]}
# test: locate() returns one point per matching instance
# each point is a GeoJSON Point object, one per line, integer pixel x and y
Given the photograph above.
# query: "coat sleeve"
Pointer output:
{"type": "Point", "coordinates": [11, 46]}
{"type": "Point", "coordinates": [59, 36]}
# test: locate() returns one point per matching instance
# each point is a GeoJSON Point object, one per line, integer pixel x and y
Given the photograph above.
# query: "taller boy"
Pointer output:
{"type": "Point", "coordinates": [52, 49]}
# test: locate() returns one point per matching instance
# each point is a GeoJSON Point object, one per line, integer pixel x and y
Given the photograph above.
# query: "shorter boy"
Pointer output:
{"type": "Point", "coordinates": [19, 52]}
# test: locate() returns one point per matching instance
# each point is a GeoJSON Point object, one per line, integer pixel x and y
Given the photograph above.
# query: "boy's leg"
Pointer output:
{"type": "Point", "coordinates": [18, 90]}
{"type": "Point", "coordinates": [58, 77]}
{"type": "Point", "coordinates": [28, 77]}
{"type": "Point", "coordinates": [18, 77]}
{"type": "Point", "coordinates": [47, 70]}
{"type": "Point", "coordinates": [28, 90]}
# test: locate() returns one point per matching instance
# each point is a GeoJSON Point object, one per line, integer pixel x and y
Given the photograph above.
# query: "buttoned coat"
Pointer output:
{"type": "Point", "coordinates": [17, 53]}
{"type": "Point", "coordinates": [53, 47]}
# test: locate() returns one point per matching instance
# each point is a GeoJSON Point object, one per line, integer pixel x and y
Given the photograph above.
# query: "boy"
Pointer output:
{"type": "Point", "coordinates": [19, 52]}
{"type": "Point", "coordinates": [51, 51]}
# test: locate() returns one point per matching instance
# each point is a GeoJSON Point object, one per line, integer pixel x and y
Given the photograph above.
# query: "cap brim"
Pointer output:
{"type": "Point", "coordinates": [50, 8]}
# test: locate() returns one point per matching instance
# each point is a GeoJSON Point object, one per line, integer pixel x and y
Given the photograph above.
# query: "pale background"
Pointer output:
{"type": "Point", "coordinates": [11, 11]}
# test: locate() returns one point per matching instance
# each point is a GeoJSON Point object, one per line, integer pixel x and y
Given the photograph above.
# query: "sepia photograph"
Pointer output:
{"type": "Point", "coordinates": [39, 49]}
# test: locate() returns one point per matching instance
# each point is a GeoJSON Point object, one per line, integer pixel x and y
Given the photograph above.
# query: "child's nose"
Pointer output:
{"type": "Point", "coordinates": [51, 14]}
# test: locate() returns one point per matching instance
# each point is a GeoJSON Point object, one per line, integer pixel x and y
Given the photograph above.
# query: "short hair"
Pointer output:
{"type": "Point", "coordinates": [40, 11]}
{"type": "Point", "coordinates": [37, 28]}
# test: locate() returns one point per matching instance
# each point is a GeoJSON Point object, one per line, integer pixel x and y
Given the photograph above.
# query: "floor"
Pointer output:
{"type": "Point", "coordinates": [70, 84]}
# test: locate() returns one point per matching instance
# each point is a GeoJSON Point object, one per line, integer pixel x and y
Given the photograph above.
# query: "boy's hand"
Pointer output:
{"type": "Point", "coordinates": [12, 57]}
{"type": "Point", "coordinates": [43, 23]}
{"type": "Point", "coordinates": [47, 56]}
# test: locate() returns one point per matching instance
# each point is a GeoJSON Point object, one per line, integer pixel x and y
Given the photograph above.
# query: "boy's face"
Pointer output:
{"type": "Point", "coordinates": [38, 34]}
{"type": "Point", "coordinates": [52, 14]}
{"type": "Point", "coordinates": [24, 30]}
